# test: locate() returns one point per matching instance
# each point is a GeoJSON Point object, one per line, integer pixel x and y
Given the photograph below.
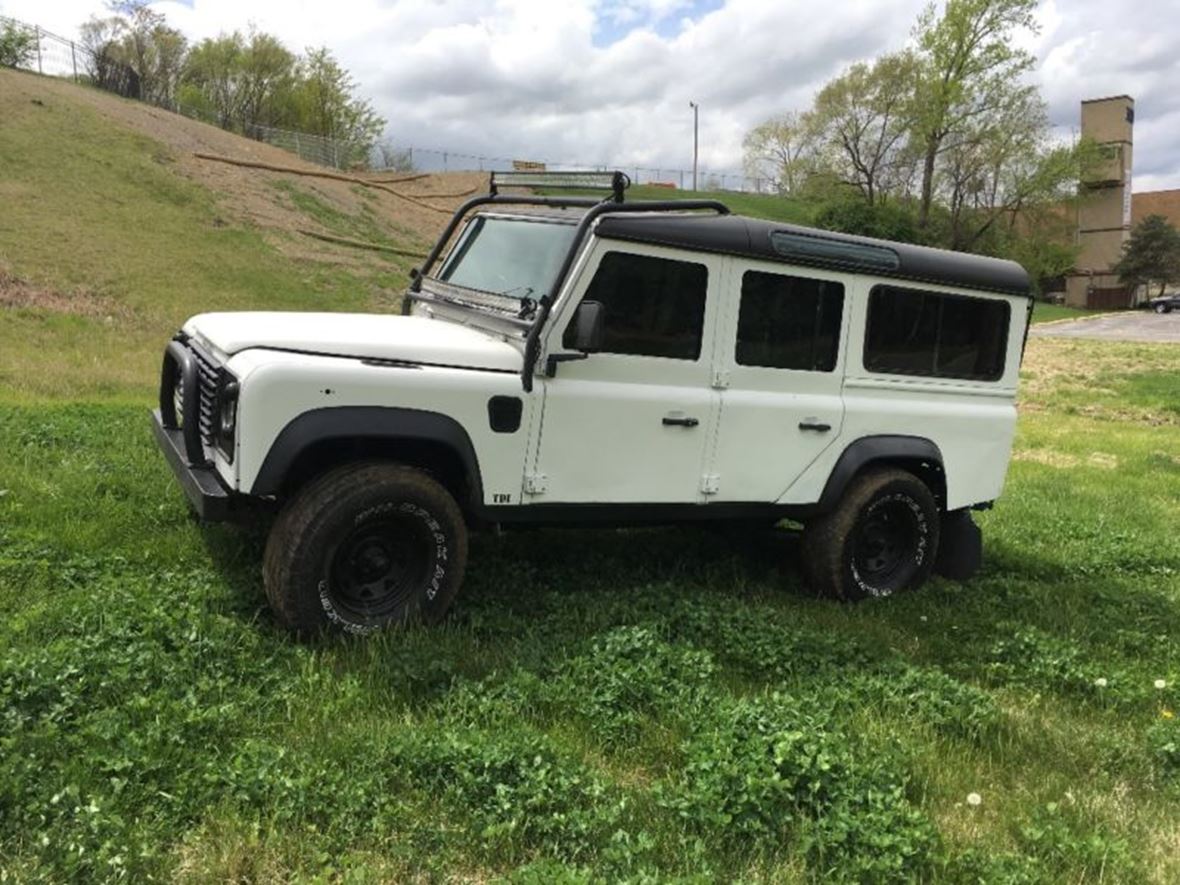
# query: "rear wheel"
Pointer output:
{"type": "Point", "coordinates": [365, 547]}
{"type": "Point", "coordinates": [881, 539]}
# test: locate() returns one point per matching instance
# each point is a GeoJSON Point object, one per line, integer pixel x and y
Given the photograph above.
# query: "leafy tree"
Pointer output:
{"type": "Point", "coordinates": [142, 40]}
{"type": "Point", "coordinates": [863, 119]}
{"type": "Point", "coordinates": [784, 149]}
{"type": "Point", "coordinates": [17, 45]}
{"type": "Point", "coordinates": [325, 105]}
{"type": "Point", "coordinates": [970, 69]}
{"type": "Point", "coordinates": [211, 72]}
{"type": "Point", "coordinates": [1151, 254]}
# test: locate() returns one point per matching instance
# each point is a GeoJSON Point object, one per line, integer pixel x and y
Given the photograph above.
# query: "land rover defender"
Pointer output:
{"type": "Point", "coordinates": [574, 360]}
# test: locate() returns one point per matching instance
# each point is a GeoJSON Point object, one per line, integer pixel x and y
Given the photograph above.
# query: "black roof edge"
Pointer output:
{"type": "Point", "coordinates": [751, 237]}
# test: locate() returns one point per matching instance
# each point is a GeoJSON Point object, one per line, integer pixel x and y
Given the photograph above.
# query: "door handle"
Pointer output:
{"type": "Point", "coordinates": [814, 425]}
{"type": "Point", "coordinates": [671, 421]}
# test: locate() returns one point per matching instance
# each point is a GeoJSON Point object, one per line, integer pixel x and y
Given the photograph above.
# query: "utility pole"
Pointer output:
{"type": "Point", "coordinates": [696, 109]}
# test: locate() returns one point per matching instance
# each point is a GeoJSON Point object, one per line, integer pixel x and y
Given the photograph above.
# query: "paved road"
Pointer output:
{"type": "Point", "coordinates": [1131, 325]}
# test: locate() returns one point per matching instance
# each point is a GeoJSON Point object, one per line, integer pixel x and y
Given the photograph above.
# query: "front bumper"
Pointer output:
{"type": "Point", "coordinates": [209, 497]}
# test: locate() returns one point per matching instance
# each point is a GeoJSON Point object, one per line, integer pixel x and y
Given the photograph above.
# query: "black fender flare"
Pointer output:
{"type": "Point", "coordinates": [864, 451]}
{"type": "Point", "coordinates": [364, 423]}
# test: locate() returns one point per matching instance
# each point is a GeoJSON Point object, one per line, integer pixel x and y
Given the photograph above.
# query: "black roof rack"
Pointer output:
{"type": "Point", "coordinates": [616, 182]}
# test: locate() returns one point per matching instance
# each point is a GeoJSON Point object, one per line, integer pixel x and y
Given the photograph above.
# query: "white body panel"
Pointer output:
{"type": "Point", "coordinates": [602, 438]}
{"type": "Point", "coordinates": [279, 387]}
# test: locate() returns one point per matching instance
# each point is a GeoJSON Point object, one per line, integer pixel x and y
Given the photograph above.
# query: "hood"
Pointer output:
{"type": "Point", "coordinates": [365, 336]}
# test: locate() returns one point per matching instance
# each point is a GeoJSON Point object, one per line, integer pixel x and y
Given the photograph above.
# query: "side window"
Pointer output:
{"type": "Point", "coordinates": [927, 333]}
{"type": "Point", "coordinates": [654, 306]}
{"type": "Point", "coordinates": [789, 322]}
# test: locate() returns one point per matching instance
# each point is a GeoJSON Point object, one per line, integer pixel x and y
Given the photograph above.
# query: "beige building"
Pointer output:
{"type": "Point", "coordinates": [1111, 209]}
{"type": "Point", "coordinates": [1104, 215]}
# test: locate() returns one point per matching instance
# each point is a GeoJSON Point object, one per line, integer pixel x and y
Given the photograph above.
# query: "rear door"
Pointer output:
{"type": "Point", "coordinates": [780, 359]}
{"type": "Point", "coordinates": [630, 424]}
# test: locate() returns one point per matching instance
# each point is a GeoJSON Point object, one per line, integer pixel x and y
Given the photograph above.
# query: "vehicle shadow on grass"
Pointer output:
{"type": "Point", "coordinates": [520, 573]}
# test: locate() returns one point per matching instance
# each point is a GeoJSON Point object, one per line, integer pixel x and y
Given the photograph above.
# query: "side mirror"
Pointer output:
{"type": "Point", "coordinates": [589, 326]}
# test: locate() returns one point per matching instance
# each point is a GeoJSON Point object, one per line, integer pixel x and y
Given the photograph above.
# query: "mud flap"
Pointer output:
{"type": "Point", "coordinates": [960, 547]}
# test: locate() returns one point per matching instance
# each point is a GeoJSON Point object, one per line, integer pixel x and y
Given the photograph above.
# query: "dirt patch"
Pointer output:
{"type": "Point", "coordinates": [21, 294]}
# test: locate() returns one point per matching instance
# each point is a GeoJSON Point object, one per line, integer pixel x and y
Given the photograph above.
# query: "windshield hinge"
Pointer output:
{"type": "Point", "coordinates": [535, 483]}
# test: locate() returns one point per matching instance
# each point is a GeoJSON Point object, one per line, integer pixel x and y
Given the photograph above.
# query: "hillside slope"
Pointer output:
{"type": "Point", "coordinates": [112, 231]}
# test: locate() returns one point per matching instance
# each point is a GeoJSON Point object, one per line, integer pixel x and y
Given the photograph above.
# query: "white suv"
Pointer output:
{"type": "Point", "coordinates": [564, 360]}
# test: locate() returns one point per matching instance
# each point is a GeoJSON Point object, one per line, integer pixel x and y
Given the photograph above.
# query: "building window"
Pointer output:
{"type": "Point", "coordinates": [911, 332]}
{"type": "Point", "coordinates": [653, 306]}
{"type": "Point", "coordinates": [788, 322]}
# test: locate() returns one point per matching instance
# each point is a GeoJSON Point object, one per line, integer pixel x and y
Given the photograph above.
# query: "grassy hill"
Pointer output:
{"type": "Point", "coordinates": [110, 238]}
{"type": "Point", "coordinates": [643, 705]}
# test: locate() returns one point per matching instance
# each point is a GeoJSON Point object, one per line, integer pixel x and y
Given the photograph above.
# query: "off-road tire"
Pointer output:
{"type": "Point", "coordinates": [1163, 308]}
{"type": "Point", "coordinates": [364, 547]}
{"type": "Point", "coordinates": [840, 547]}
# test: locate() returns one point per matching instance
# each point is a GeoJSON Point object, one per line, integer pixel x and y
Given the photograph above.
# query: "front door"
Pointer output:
{"type": "Point", "coordinates": [631, 423]}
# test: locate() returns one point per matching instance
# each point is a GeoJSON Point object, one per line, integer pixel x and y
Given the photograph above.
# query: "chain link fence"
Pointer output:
{"type": "Point", "coordinates": [440, 160]}
{"type": "Point", "coordinates": [57, 56]}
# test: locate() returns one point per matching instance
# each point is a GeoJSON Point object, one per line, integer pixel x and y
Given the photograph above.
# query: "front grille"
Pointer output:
{"type": "Point", "coordinates": [208, 374]}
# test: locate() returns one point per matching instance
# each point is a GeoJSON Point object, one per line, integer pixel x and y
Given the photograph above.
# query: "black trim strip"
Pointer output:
{"type": "Point", "coordinates": [570, 515]}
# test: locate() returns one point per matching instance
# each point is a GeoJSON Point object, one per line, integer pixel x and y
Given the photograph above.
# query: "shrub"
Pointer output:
{"type": "Point", "coordinates": [17, 45]}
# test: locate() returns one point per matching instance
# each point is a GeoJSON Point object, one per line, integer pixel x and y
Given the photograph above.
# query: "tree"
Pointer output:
{"type": "Point", "coordinates": [783, 149]}
{"type": "Point", "coordinates": [1151, 254]}
{"type": "Point", "coordinates": [969, 69]}
{"type": "Point", "coordinates": [17, 45]}
{"type": "Point", "coordinates": [151, 48]}
{"type": "Point", "coordinates": [325, 104]}
{"type": "Point", "coordinates": [863, 118]}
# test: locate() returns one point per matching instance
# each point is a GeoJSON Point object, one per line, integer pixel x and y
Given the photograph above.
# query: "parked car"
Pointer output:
{"type": "Point", "coordinates": [1164, 303]}
{"type": "Point", "coordinates": [565, 360]}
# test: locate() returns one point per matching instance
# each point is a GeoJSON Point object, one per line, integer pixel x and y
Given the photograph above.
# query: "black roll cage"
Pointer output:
{"type": "Point", "coordinates": [619, 182]}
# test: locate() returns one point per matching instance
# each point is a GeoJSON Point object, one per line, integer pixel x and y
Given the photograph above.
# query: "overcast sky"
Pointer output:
{"type": "Point", "coordinates": [610, 81]}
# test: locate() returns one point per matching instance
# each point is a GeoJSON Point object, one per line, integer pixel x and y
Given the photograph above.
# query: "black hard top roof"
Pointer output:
{"type": "Point", "coordinates": [739, 235]}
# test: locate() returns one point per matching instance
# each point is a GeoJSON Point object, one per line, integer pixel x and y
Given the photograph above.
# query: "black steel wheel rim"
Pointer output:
{"type": "Point", "coordinates": [886, 540]}
{"type": "Point", "coordinates": [380, 566]}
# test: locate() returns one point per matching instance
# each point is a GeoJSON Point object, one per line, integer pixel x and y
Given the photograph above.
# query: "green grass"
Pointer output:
{"type": "Point", "coordinates": [626, 704]}
{"type": "Point", "coordinates": [105, 212]}
{"type": "Point", "coordinates": [1044, 312]}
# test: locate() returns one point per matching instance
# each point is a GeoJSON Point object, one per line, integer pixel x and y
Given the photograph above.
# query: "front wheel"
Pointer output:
{"type": "Point", "coordinates": [881, 539]}
{"type": "Point", "coordinates": [364, 547]}
{"type": "Point", "coordinates": [1163, 308]}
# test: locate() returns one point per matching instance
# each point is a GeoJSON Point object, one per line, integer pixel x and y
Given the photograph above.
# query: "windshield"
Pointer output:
{"type": "Point", "coordinates": [509, 256]}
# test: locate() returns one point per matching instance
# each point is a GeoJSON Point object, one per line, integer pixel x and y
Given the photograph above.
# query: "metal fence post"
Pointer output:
{"type": "Point", "coordinates": [74, 59]}
{"type": "Point", "coordinates": [37, 33]}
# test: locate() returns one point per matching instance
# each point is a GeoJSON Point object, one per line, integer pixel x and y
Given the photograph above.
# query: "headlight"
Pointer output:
{"type": "Point", "coordinates": [227, 415]}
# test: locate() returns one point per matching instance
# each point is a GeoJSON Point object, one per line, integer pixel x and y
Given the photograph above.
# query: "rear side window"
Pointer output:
{"type": "Point", "coordinates": [911, 332]}
{"type": "Point", "coordinates": [654, 306]}
{"type": "Point", "coordinates": [788, 322]}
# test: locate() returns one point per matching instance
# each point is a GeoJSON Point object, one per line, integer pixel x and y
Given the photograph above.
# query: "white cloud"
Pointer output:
{"type": "Point", "coordinates": [531, 78]}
